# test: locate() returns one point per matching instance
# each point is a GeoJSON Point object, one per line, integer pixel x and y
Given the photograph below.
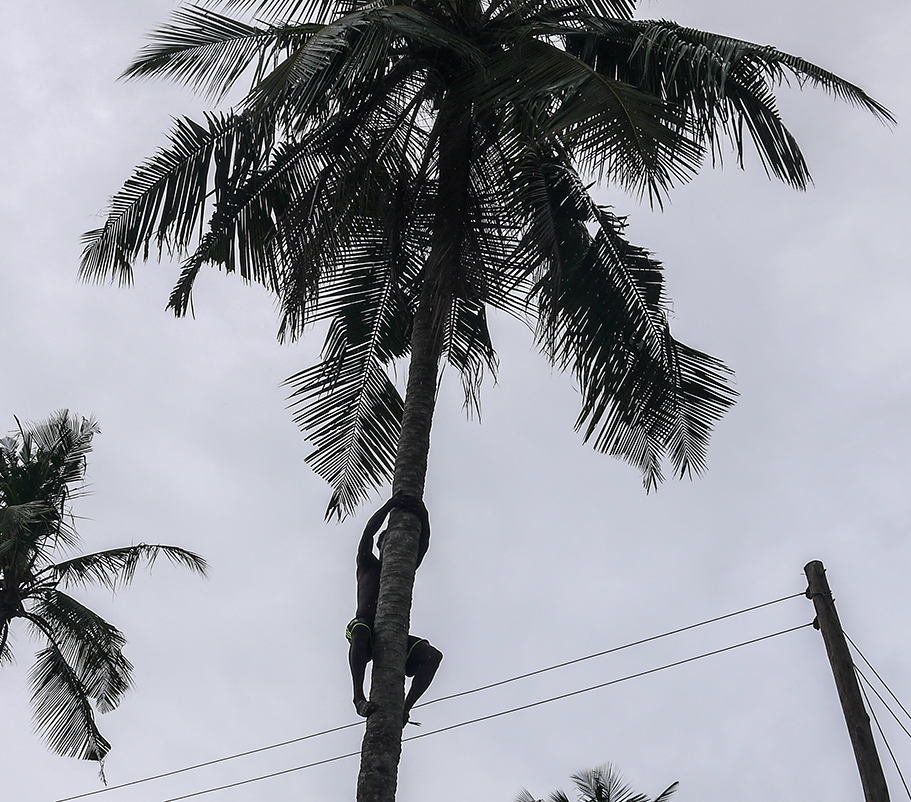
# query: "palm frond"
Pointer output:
{"type": "Point", "coordinates": [209, 52]}
{"type": "Point", "coordinates": [614, 130]}
{"type": "Point", "coordinates": [602, 311]}
{"type": "Point", "coordinates": [323, 10]}
{"type": "Point", "coordinates": [640, 400]}
{"type": "Point", "coordinates": [241, 233]}
{"type": "Point", "coordinates": [63, 714]}
{"type": "Point", "coordinates": [347, 405]}
{"type": "Point", "coordinates": [163, 204]}
{"type": "Point", "coordinates": [667, 793]}
{"type": "Point", "coordinates": [722, 85]}
{"type": "Point", "coordinates": [91, 647]}
{"type": "Point", "coordinates": [313, 74]}
{"type": "Point", "coordinates": [6, 653]}
{"type": "Point", "coordinates": [469, 348]}
{"type": "Point", "coordinates": [116, 567]}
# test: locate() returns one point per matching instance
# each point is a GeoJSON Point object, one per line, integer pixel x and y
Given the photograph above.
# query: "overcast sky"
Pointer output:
{"type": "Point", "coordinates": [543, 551]}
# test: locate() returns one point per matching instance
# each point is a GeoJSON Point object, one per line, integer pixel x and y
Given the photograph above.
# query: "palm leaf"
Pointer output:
{"type": "Point", "coordinates": [63, 714]}
{"type": "Point", "coordinates": [347, 405]}
{"type": "Point", "coordinates": [6, 653]}
{"type": "Point", "coordinates": [313, 75]}
{"type": "Point", "coordinates": [164, 202]}
{"type": "Point", "coordinates": [91, 647]}
{"type": "Point", "coordinates": [209, 52]}
{"type": "Point", "coordinates": [289, 9]}
{"type": "Point", "coordinates": [613, 129]}
{"type": "Point", "coordinates": [116, 567]}
{"type": "Point", "coordinates": [641, 397]}
{"type": "Point", "coordinates": [720, 84]}
{"type": "Point", "coordinates": [602, 314]}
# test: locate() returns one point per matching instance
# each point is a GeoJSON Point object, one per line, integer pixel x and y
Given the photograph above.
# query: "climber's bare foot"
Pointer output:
{"type": "Point", "coordinates": [364, 707]}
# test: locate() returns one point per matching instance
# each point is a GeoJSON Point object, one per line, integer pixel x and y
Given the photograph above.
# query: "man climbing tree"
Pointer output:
{"type": "Point", "coordinates": [422, 659]}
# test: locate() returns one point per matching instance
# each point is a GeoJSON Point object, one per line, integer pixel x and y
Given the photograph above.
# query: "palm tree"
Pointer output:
{"type": "Point", "coordinates": [399, 168]}
{"type": "Point", "coordinates": [42, 468]}
{"type": "Point", "coordinates": [601, 784]}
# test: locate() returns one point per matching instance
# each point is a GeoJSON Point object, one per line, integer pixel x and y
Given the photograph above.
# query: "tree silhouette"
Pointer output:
{"type": "Point", "coordinates": [399, 169]}
{"type": "Point", "coordinates": [81, 667]}
{"type": "Point", "coordinates": [601, 784]}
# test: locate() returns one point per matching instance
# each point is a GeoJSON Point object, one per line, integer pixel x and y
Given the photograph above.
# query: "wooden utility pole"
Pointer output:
{"type": "Point", "coordinates": [852, 703]}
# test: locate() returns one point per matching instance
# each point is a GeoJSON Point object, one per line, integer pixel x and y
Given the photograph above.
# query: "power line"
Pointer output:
{"type": "Point", "coordinates": [209, 763]}
{"type": "Point", "coordinates": [879, 726]}
{"type": "Point", "coordinates": [609, 682]}
{"type": "Point", "coordinates": [430, 702]}
{"type": "Point", "coordinates": [884, 702]}
{"type": "Point", "coordinates": [610, 651]}
{"type": "Point", "coordinates": [492, 715]}
{"type": "Point", "coordinates": [264, 777]}
{"type": "Point", "coordinates": [891, 693]}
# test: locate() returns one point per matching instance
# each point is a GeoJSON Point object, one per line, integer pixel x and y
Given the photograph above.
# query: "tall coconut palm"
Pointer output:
{"type": "Point", "coordinates": [81, 666]}
{"type": "Point", "coordinates": [601, 784]}
{"type": "Point", "coordinates": [399, 168]}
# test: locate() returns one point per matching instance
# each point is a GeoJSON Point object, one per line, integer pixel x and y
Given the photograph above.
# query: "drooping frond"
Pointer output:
{"type": "Point", "coordinates": [469, 348]}
{"type": "Point", "coordinates": [63, 714]}
{"type": "Point", "coordinates": [6, 653]}
{"type": "Point", "coordinates": [602, 314]}
{"type": "Point", "coordinates": [92, 647]}
{"type": "Point", "coordinates": [347, 405]}
{"type": "Point", "coordinates": [721, 85]}
{"type": "Point", "coordinates": [639, 399]}
{"type": "Point", "coordinates": [351, 412]}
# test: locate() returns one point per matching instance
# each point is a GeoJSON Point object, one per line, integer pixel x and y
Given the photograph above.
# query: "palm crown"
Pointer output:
{"type": "Point", "coordinates": [42, 468]}
{"type": "Point", "coordinates": [601, 784]}
{"type": "Point", "coordinates": [387, 149]}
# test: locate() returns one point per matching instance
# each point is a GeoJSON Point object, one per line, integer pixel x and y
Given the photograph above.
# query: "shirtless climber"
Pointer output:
{"type": "Point", "coordinates": [423, 659]}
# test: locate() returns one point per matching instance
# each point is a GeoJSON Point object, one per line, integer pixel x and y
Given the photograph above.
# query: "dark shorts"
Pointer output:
{"type": "Point", "coordinates": [412, 661]}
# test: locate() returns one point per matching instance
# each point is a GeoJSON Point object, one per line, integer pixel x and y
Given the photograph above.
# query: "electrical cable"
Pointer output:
{"type": "Point", "coordinates": [607, 651]}
{"type": "Point", "coordinates": [884, 702]}
{"type": "Point", "coordinates": [879, 726]}
{"type": "Point", "coordinates": [208, 763]}
{"type": "Point", "coordinates": [891, 693]}
{"type": "Point", "coordinates": [491, 716]}
{"type": "Point", "coordinates": [430, 702]}
{"type": "Point", "coordinates": [609, 682]}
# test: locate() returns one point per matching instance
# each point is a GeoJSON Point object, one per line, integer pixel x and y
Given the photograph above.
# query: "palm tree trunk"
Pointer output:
{"type": "Point", "coordinates": [382, 745]}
